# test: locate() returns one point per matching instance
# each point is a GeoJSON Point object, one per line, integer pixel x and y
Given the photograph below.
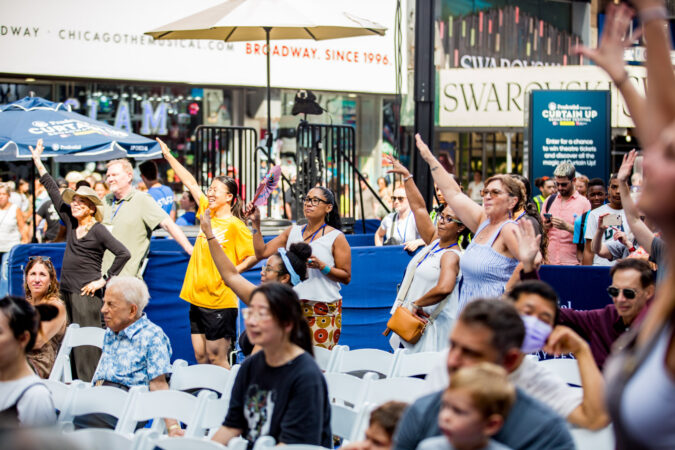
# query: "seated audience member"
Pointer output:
{"type": "Point", "coordinates": [487, 331]}
{"type": "Point", "coordinates": [189, 205]}
{"type": "Point", "coordinates": [136, 352]}
{"type": "Point", "coordinates": [473, 409]}
{"type": "Point", "coordinates": [593, 231]}
{"type": "Point", "coordinates": [631, 291]}
{"type": "Point", "coordinates": [398, 227]}
{"type": "Point", "coordinates": [24, 399]}
{"type": "Point", "coordinates": [537, 304]}
{"type": "Point", "coordinates": [383, 421]}
{"type": "Point", "coordinates": [279, 391]}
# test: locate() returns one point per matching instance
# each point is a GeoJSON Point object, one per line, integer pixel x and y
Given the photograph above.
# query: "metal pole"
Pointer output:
{"type": "Point", "coordinates": [32, 176]}
{"type": "Point", "coordinates": [269, 98]}
{"type": "Point", "coordinates": [425, 91]}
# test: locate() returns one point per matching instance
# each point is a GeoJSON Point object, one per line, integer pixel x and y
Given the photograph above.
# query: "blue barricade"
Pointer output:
{"type": "Point", "coordinates": [376, 272]}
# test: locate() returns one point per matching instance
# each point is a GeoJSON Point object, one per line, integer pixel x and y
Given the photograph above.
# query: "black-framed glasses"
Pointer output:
{"type": "Point", "coordinates": [314, 201]}
{"type": "Point", "coordinates": [448, 219]}
{"type": "Point", "coordinates": [613, 292]}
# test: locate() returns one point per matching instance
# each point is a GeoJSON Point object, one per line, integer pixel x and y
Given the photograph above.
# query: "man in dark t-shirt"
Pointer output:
{"type": "Point", "coordinates": [51, 217]}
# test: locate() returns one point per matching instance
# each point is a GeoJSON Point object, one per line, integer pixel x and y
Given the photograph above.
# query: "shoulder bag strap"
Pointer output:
{"type": "Point", "coordinates": [549, 202]}
{"type": "Point", "coordinates": [439, 309]}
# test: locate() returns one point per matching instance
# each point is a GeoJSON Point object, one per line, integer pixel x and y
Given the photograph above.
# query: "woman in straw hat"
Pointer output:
{"type": "Point", "coordinates": [86, 242]}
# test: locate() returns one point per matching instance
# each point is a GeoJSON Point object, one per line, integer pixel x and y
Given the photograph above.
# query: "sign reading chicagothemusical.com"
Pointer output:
{"type": "Point", "coordinates": [569, 126]}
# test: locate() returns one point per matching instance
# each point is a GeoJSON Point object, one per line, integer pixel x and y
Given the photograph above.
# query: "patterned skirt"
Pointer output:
{"type": "Point", "coordinates": [324, 320]}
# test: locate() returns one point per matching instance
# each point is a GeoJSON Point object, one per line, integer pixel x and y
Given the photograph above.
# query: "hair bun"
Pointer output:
{"type": "Point", "coordinates": [47, 312]}
{"type": "Point", "coordinates": [302, 250]}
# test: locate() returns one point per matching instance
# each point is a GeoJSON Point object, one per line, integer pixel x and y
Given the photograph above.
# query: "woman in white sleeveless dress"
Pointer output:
{"type": "Point", "coordinates": [428, 287]}
{"type": "Point", "coordinates": [329, 266]}
{"type": "Point", "coordinates": [13, 229]}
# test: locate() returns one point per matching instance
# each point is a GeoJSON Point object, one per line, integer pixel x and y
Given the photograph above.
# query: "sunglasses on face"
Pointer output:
{"type": "Point", "coordinates": [613, 292]}
{"type": "Point", "coordinates": [398, 199]}
{"type": "Point", "coordinates": [491, 192]}
{"type": "Point", "coordinates": [314, 201]}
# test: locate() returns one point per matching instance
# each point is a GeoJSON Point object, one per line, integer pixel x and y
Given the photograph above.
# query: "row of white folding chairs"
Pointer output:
{"type": "Point", "coordinates": [75, 336]}
{"type": "Point", "coordinates": [401, 363]}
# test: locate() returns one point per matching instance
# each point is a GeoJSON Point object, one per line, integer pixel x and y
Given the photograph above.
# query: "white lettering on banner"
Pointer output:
{"type": "Point", "coordinates": [496, 97]}
{"type": "Point", "coordinates": [154, 122]}
{"type": "Point", "coordinates": [72, 127]}
{"type": "Point", "coordinates": [111, 45]}
{"type": "Point", "coordinates": [123, 117]}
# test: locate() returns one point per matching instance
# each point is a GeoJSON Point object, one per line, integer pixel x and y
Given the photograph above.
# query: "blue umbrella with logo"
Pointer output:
{"type": "Point", "coordinates": [67, 136]}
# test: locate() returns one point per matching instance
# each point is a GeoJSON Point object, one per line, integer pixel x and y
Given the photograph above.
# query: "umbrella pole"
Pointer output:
{"type": "Point", "coordinates": [269, 111]}
{"type": "Point", "coordinates": [32, 176]}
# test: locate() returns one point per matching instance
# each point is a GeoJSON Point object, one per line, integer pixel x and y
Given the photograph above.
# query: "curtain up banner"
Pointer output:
{"type": "Point", "coordinates": [570, 126]}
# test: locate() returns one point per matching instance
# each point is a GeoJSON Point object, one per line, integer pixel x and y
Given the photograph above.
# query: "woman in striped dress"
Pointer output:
{"type": "Point", "coordinates": [489, 261]}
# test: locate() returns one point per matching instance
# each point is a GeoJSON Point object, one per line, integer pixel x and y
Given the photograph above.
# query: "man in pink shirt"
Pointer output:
{"type": "Point", "coordinates": [558, 216]}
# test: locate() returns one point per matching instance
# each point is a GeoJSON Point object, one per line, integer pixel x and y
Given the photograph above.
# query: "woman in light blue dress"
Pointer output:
{"type": "Point", "coordinates": [489, 261]}
{"type": "Point", "coordinates": [429, 286]}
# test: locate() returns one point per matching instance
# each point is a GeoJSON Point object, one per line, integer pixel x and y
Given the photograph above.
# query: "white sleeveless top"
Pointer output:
{"type": "Point", "coordinates": [9, 229]}
{"type": "Point", "coordinates": [317, 287]}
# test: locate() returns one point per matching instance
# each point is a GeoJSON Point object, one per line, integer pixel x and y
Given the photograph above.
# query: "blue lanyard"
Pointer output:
{"type": "Point", "coordinates": [432, 252]}
{"type": "Point", "coordinates": [520, 216]}
{"type": "Point", "coordinates": [315, 233]}
{"type": "Point", "coordinates": [118, 208]}
{"type": "Point", "coordinates": [405, 227]}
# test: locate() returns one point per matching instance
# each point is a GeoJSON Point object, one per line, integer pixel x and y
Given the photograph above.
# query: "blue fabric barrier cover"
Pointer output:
{"type": "Point", "coordinates": [376, 272]}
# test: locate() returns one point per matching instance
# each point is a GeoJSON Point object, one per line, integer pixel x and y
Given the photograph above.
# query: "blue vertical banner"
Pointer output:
{"type": "Point", "coordinates": [570, 126]}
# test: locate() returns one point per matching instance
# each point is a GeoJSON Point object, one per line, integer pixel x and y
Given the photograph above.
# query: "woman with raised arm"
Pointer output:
{"type": "Point", "coordinates": [490, 259]}
{"type": "Point", "coordinates": [642, 372]}
{"type": "Point", "coordinates": [42, 288]}
{"type": "Point", "coordinates": [430, 278]}
{"type": "Point", "coordinates": [87, 239]}
{"type": "Point", "coordinates": [213, 305]}
{"type": "Point", "coordinates": [330, 264]}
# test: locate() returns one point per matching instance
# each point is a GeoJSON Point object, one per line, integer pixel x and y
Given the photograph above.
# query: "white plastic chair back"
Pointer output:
{"type": "Point", "coordinates": [264, 443]}
{"type": "Point", "coordinates": [182, 443]}
{"type": "Point", "coordinates": [99, 399]}
{"type": "Point", "coordinates": [62, 394]}
{"type": "Point", "coordinates": [346, 389]}
{"type": "Point", "coordinates": [208, 376]}
{"type": "Point", "coordinates": [323, 357]}
{"type": "Point", "coordinates": [365, 360]}
{"type": "Point", "coordinates": [75, 337]}
{"type": "Point", "coordinates": [400, 389]}
{"type": "Point", "coordinates": [594, 440]}
{"type": "Point", "coordinates": [565, 368]}
{"type": "Point", "coordinates": [167, 404]}
{"type": "Point", "coordinates": [410, 364]}
{"type": "Point", "coordinates": [102, 439]}
{"type": "Point", "coordinates": [237, 443]}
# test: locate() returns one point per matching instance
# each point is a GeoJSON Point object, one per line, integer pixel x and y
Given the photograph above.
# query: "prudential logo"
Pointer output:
{"type": "Point", "coordinates": [569, 115]}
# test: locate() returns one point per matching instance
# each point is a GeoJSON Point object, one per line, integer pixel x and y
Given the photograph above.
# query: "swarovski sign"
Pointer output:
{"type": "Point", "coordinates": [496, 98]}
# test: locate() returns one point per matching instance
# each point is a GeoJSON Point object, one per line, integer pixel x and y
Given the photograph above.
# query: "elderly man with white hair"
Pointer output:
{"type": "Point", "coordinates": [135, 351]}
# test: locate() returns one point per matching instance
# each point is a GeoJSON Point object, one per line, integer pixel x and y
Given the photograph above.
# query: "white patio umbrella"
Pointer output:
{"type": "Point", "coordinates": [256, 20]}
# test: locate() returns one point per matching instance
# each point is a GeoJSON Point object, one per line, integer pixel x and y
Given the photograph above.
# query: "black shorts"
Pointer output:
{"type": "Point", "coordinates": [214, 323]}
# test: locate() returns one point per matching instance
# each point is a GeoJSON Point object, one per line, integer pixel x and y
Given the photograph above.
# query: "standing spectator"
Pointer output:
{"type": "Point", "coordinates": [547, 188]}
{"type": "Point", "coordinates": [490, 259]}
{"type": "Point", "coordinates": [631, 291]}
{"type": "Point", "coordinates": [52, 221]}
{"type": "Point", "coordinates": [13, 229]}
{"type": "Point", "coordinates": [24, 399]}
{"type": "Point", "coordinates": [559, 213]}
{"type": "Point", "coordinates": [594, 232]}
{"type": "Point", "coordinates": [136, 352]}
{"type": "Point", "coordinates": [42, 288]}
{"type": "Point", "coordinates": [73, 177]}
{"type": "Point", "coordinates": [189, 205]}
{"type": "Point", "coordinates": [596, 194]}
{"type": "Point", "coordinates": [41, 195]}
{"type": "Point", "coordinates": [398, 227]}
{"type": "Point", "coordinates": [475, 189]}
{"type": "Point", "coordinates": [162, 194]}
{"type": "Point", "coordinates": [213, 305]}
{"type": "Point", "coordinates": [87, 239]}
{"type": "Point", "coordinates": [101, 188]}
{"type": "Point", "coordinates": [133, 216]}
{"type": "Point", "coordinates": [581, 185]}
{"type": "Point", "coordinates": [369, 206]}
{"type": "Point", "coordinates": [291, 202]}
{"type": "Point", "coordinates": [384, 193]}
{"type": "Point", "coordinates": [329, 266]}
{"type": "Point", "coordinates": [279, 391]}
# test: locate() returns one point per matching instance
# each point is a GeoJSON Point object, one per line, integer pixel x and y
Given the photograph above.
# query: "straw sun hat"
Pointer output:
{"type": "Point", "coordinates": [88, 193]}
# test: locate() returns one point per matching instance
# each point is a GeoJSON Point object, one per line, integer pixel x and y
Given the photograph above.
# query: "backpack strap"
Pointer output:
{"type": "Point", "coordinates": [549, 202]}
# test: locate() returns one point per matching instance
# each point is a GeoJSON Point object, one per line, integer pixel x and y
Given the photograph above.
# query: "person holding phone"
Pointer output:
{"type": "Point", "coordinates": [614, 220]}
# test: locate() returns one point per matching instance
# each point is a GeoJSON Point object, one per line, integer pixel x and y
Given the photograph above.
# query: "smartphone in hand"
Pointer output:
{"type": "Point", "coordinates": [612, 220]}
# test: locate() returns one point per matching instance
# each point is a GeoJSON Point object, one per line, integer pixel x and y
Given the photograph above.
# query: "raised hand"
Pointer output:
{"type": "Point", "coordinates": [564, 340]}
{"type": "Point", "coordinates": [166, 151]}
{"type": "Point", "coordinates": [205, 223]}
{"type": "Point", "coordinates": [627, 166]}
{"type": "Point", "coordinates": [397, 167]}
{"type": "Point", "coordinates": [252, 213]}
{"type": "Point", "coordinates": [37, 151]}
{"type": "Point", "coordinates": [425, 152]}
{"type": "Point", "coordinates": [528, 244]}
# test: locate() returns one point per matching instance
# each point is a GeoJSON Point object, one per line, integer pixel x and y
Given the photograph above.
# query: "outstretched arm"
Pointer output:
{"type": "Point", "coordinates": [177, 234]}
{"type": "Point", "coordinates": [418, 207]}
{"type": "Point", "coordinates": [642, 233]}
{"type": "Point", "coordinates": [185, 176]}
{"type": "Point", "coordinates": [469, 212]}
{"type": "Point", "coordinates": [263, 250]}
{"type": "Point", "coordinates": [228, 272]}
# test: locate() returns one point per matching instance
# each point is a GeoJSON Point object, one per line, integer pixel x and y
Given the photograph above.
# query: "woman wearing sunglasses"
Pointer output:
{"type": "Point", "coordinates": [86, 242]}
{"type": "Point", "coordinates": [492, 256]}
{"type": "Point", "coordinates": [429, 285]}
{"type": "Point", "coordinates": [42, 288]}
{"type": "Point", "coordinates": [330, 264]}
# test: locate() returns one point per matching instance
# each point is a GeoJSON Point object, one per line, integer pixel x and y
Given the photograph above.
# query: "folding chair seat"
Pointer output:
{"type": "Point", "coordinates": [409, 364]}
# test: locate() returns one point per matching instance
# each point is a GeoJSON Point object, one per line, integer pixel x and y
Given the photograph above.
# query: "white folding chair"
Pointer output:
{"type": "Point", "coordinates": [167, 404]}
{"type": "Point", "coordinates": [74, 337]}
{"type": "Point", "coordinates": [103, 439]}
{"type": "Point", "coordinates": [593, 440]}
{"type": "Point", "coordinates": [347, 395]}
{"type": "Point", "coordinates": [182, 443]}
{"type": "Point", "coordinates": [365, 360]}
{"type": "Point", "coordinates": [99, 399]}
{"type": "Point", "coordinates": [268, 443]}
{"type": "Point", "coordinates": [62, 394]}
{"type": "Point", "coordinates": [565, 368]}
{"type": "Point", "coordinates": [326, 359]}
{"type": "Point", "coordinates": [401, 389]}
{"type": "Point", "coordinates": [409, 364]}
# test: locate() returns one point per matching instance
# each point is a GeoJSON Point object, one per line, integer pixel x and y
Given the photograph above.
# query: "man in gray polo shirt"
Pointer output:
{"type": "Point", "coordinates": [132, 217]}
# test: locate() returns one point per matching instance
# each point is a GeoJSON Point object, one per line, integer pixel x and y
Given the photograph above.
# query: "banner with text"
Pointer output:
{"type": "Point", "coordinates": [105, 40]}
{"type": "Point", "coordinates": [495, 98]}
{"type": "Point", "coordinates": [569, 126]}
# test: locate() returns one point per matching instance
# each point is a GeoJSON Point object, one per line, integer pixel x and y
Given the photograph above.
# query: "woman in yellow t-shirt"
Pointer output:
{"type": "Point", "coordinates": [213, 305]}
